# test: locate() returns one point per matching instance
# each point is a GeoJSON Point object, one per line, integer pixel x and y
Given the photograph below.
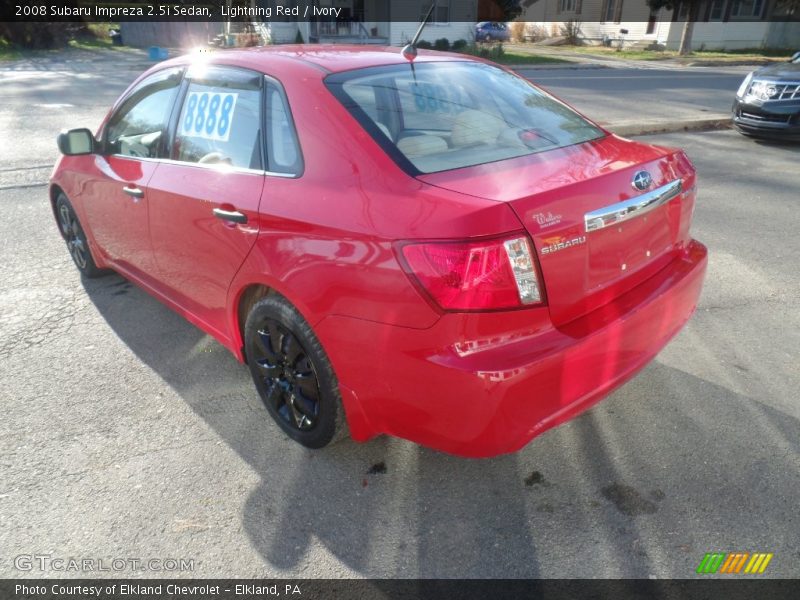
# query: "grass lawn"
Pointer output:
{"type": "Point", "coordinates": [8, 52]}
{"type": "Point", "coordinates": [754, 54]}
{"type": "Point", "coordinates": [95, 38]}
{"type": "Point", "coordinates": [511, 57]}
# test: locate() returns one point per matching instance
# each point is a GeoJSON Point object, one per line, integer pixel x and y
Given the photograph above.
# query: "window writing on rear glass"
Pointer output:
{"type": "Point", "coordinates": [440, 116]}
{"type": "Point", "coordinates": [220, 123]}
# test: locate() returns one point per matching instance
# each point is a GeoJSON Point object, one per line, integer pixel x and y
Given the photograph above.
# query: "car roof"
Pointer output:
{"type": "Point", "coordinates": [320, 57]}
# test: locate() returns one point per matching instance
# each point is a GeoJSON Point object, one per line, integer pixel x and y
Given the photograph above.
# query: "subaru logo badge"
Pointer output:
{"type": "Point", "coordinates": [642, 180]}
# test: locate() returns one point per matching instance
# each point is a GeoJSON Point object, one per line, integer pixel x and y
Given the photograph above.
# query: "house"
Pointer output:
{"type": "Point", "coordinates": [722, 24]}
{"type": "Point", "coordinates": [380, 22]}
{"type": "Point", "coordinates": [356, 22]}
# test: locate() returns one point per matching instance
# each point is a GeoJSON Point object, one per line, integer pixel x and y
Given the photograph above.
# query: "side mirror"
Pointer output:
{"type": "Point", "coordinates": [76, 141]}
{"type": "Point", "coordinates": [795, 57]}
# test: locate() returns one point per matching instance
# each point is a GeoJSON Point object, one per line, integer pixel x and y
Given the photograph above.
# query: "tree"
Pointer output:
{"type": "Point", "coordinates": [691, 16]}
{"type": "Point", "coordinates": [498, 10]}
{"type": "Point", "coordinates": [36, 35]}
{"type": "Point", "coordinates": [787, 9]}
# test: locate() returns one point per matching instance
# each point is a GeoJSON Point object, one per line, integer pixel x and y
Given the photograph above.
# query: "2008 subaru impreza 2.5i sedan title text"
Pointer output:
{"type": "Point", "coordinates": [390, 247]}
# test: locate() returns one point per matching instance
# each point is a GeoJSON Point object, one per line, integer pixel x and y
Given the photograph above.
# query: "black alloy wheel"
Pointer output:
{"type": "Point", "coordinates": [74, 236]}
{"type": "Point", "coordinates": [292, 388]}
{"type": "Point", "coordinates": [292, 373]}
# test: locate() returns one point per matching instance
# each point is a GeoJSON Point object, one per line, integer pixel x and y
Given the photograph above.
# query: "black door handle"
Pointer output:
{"type": "Point", "coordinates": [133, 191]}
{"type": "Point", "coordinates": [234, 216]}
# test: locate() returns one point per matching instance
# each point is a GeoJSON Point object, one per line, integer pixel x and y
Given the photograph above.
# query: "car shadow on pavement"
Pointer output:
{"type": "Point", "coordinates": [786, 145]}
{"type": "Point", "coordinates": [384, 508]}
{"type": "Point", "coordinates": [668, 467]}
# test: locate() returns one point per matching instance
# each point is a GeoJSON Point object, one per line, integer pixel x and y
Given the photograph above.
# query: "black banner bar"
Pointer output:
{"type": "Point", "coordinates": [445, 12]}
{"type": "Point", "coordinates": [733, 588]}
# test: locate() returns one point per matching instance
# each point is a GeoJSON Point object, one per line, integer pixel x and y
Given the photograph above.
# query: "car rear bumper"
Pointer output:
{"type": "Point", "coordinates": [486, 384]}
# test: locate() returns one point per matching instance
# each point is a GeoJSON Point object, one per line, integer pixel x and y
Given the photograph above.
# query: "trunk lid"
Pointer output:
{"type": "Point", "coordinates": [596, 235]}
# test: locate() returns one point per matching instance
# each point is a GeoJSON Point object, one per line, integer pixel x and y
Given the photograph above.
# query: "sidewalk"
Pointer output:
{"type": "Point", "coordinates": [612, 61]}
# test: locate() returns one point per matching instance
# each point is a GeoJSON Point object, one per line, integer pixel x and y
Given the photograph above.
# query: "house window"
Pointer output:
{"type": "Point", "coordinates": [747, 8]}
{"type": "Point", "coordinates": [717, 10]}
{"type": "Point", "coordinates": [440, 14]}
{"type": "Point", "coordinates": [567, 6]}
{"type": "Point", "coordinates": [613, 11]}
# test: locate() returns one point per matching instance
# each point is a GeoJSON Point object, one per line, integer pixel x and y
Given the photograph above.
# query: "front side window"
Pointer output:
{"type": "Point", "coordinates": [138, 127]}
{"type": "Point", "coordinates": [220, 119]}
{"type": "Point", "coordinates": [442, 116]}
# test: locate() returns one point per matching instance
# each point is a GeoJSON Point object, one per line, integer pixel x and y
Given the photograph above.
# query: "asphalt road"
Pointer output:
{"type": "Point", "coordinates": [614, 95]}
{"type": "Point", "coordinates": [127, 433]}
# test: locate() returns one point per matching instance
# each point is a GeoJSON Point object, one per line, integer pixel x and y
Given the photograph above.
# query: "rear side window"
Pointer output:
{"type": "Point", "coordinates": [220, 120]}
{"type": "Point", "coordinates": [139, 125]}
{"type": "Point", "coordinates": [440, 116]}
{"type": "Point", "coordinates": [283, 147]}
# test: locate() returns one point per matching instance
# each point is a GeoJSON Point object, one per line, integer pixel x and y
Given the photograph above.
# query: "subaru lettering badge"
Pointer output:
{"type": "Point", "coordinates": [642, 180]}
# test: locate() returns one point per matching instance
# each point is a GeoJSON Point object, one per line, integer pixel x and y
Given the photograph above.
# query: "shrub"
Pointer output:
{"type": "Point", "coordinates": [36, 35]}
{"type": "Point", "coordinates": [424, 45]}
{"type": "Point", "coordinates": [459, 45]}
{"type": "Point", "coordinates": [571, 30]}
{"type": "Point", "coordinates": [518, 31]}
{"type": "Point", "coordinates": [494, 52]}
{"type": "Point", "coordinates": [536, 33]}
{"type": "Point", "coordinates": [442, 44]}
{"type": "Point", "coordinates": [298, 39]}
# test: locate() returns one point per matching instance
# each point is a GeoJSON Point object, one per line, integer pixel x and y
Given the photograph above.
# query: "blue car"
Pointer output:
{"type": "Point", "coordinates": [491, 31]}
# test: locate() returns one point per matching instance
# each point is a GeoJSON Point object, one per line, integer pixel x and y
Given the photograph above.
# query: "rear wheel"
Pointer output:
{"type": "Point", "coordinates": [73, 235]}
{"type": "Point", "coordinates": [292, 373]}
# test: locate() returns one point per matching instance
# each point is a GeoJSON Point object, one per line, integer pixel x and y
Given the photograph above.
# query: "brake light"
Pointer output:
{"type": "Point", "coordinates": [476, 275]}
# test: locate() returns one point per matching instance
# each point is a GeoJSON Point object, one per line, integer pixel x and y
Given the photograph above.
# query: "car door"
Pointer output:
{"type": "Point", "coordinates": [204, 200]}
{"type": "Point", "coordinates": [133, 140]}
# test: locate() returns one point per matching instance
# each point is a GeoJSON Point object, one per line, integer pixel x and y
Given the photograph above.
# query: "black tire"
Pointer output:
{"type": "Point", "coordinates": [77, 244]}
{"type": "Point", "coordinates": [292, 373]}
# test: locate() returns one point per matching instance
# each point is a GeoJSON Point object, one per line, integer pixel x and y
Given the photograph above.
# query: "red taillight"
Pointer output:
{"type": "Point", "coordinates": [476, 275]}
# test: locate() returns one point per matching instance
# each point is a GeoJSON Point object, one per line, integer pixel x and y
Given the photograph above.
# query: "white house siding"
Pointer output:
{"type": "Point", "coordinates": [783, 34]}
{"type": "Point", "coordinates": [634, 18]}
{"type": "Point", "coordinates": [461, 26]}
{"type": "Point", "coordinates": [285, 33]}
{"type": "Point", "coordinates": [637, 30]}
{"type": "Point", "coordinates": [736, 35]}
{"type": "Point", "coordinates": [402, 32]}
{"type": "Point", "coordinates": [174, 34]}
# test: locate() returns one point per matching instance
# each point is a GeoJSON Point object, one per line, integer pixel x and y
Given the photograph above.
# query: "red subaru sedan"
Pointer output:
{"type": "Point", "coordinates": [433, 248]}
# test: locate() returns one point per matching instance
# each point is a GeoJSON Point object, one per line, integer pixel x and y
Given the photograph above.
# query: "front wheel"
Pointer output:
{"type": "Point", "coordinates": [73, 235]}
{"type": "Point", "coordinates": [292, 373]}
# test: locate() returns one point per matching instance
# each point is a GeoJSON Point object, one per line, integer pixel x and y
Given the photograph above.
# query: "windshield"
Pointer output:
{"type": "Point", "coordinates": [448, 115]}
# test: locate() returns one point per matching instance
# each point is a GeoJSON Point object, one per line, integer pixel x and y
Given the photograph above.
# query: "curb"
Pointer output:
{"type": "Point", "coordinates": [564, 66]}
{"type": "Point", "coordinates": [653, 127]}
{"type": "Point", "coordinates": [730, 63]}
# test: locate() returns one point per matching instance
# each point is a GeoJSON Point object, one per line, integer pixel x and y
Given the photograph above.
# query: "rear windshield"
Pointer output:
{"type": "Point", "coordinates": [440, 116]}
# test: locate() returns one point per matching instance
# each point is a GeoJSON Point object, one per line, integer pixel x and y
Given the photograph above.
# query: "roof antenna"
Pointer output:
{"type": "Point", "coordinates": [410, 50]}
